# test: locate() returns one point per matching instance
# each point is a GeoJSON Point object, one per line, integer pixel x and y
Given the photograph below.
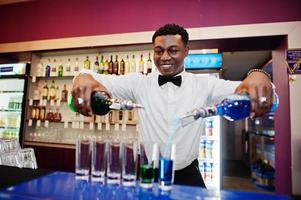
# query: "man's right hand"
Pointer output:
{"type": "Point", "coordinates": [83, 86]}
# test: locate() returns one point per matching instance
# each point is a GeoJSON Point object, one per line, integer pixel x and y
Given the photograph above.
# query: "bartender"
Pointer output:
{"type": "Point", "coordinates": [169, 93]}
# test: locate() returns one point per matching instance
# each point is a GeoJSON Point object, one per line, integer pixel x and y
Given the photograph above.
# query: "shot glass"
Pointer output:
{"type": "Point", "coordinates": [146, 169]}
{"type": "Point", "coordinates": [10, 159]}
{"type": "Point", "coordinates": [114, 162]}
{"type": "Point", "coordinates": [82, 158]}
{"type": "Point", "coordinates": [166, 169]}
{"type": "Point", "coordinates": [129, 158]}
{"type": "Point", "coordinates": [99, 161]}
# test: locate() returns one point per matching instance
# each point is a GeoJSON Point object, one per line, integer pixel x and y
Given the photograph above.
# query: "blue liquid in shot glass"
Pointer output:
{"type": "Point", "coordinates": [165, 172]}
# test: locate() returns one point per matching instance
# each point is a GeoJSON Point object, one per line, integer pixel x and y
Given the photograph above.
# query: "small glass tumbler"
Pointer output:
{"type": "Point", "coordinates": [146, 167]}
{"type": "Point", "coordinates": [129, 163]}
{"type": "Point", "coordinates": [114, 162]}
{"type": "Point", "coordinates": [99, 161]}
{"type": "Point", "coordinates": [82, 158]}
{"type": "Point", "coordinates": [166, 169]}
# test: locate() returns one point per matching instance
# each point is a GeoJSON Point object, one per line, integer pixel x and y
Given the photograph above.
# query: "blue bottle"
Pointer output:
{"type": "Point", "coordinates": [234, 107]}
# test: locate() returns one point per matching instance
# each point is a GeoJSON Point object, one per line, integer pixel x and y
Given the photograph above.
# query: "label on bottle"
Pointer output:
{"type": "Point", "coordinates": [107, 126]}
{"type": "Point", "coordinates": [34, 79]}
{"type": "Point", "coordinates": [65, 124]}
{"type": "Point", "coordinates": [51, 102]}
{"type": "Point", "coordinates": [123, 127]}
{"type": "Point", "coordinates": [81, 125]}
{"type": "Point", "coordinates": [91, 126]}
{"type": "Point", "coordinates": [116, 128]}
{"type": "Point", "coordinates": [99, 126]}
{"type": "Point", "coordinates": [30, 102]}
{"type": "Point", "coordinates": [38, 123]}
{"type": "Point", "coordinates": [30, 122]}
{"type": "Point", "coordinates": [46, 123]}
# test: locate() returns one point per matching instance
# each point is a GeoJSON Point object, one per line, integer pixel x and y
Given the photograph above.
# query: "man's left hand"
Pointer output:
{"type": "Point", "coordinates": [260, 90]}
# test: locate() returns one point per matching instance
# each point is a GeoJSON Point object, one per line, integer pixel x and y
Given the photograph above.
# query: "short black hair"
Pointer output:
{"type": "Point", "coordinates": [172, 29]}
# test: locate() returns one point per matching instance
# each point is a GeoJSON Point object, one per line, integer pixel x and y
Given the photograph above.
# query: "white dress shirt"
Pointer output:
{"type": "Point", "coordinates": [162, 105]}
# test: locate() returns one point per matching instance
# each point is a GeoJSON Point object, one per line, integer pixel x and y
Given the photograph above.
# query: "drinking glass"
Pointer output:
{"type": "Point", "coordinates": [99, 161]}
{"type": "Point", "coordinates": [129, 162]}
{"type": "Point", "coordinates": [114, 161]}
{"type": "Point", "coordinates": [146, 167]}
{"type": "Point", "coordinates": [166, 169]}
{"type": "Point", "coordinates": [27, 158]}
{"type": "Point", "coordinates": [82, 158]}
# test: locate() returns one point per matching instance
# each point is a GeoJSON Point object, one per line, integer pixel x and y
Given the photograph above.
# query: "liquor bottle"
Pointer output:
{"type": "Point", "coordinates": [68, 68]}
{"type": "Point", "coordinates": [53, 68]}
{"type": "Point", "coordinates": [233, 107]}
{"type": "Point", "coordinates": [96, 65]}
{"type": "Point", "coordinates": [127, 66]}
{"type": "Point", "coordinates": [48, 68]}
{"type": "Point", "coordinates": [76, 67]}
{"type": "Point", "coordinates": [141, 64]}
{"type": "Point", "coordinates": [87, 63]}
{"type": "Point", "coordinates": [133, 64]}
{"type": "Point", "coordinates": [106, 67]}
{"type": "Point", "coordinates": [116, 66]}
{"type": "Point", "coordinates": [52, 92]}
{"type": "Point", "coordinates": [149, 64]}
{"type": "Point", "coordinates": [57, 95]}
{"type": "Point", "coordinates": [61, 69]}
{"type": "Point", "coordinates": [45, 91]}
{"type": "Point", "coordinates": [42, 113]}
{"type": "Point", "coordinates": [64, 95]}
{"type": "Point", "coordinates": [122, 67]}
{"type": "Point", "coordinates": [49, 115]}
{"type": "Point", "coordinates": [101, 104]}
{"type": "Point", "coordinates": [101, 66]}
{"type": "Point", "coordinates": [57, 117]}
{"type": "Point", "coordinates": [110, 69]}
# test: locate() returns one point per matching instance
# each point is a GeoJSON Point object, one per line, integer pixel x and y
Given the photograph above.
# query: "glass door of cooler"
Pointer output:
{"type": "Point", "coordinates": [11, 104]}
{"type": "Point", "coordinates": [209, 153]}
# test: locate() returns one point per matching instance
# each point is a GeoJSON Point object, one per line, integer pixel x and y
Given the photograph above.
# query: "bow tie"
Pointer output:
{"type": "Point", "coordinates": [177, 80]}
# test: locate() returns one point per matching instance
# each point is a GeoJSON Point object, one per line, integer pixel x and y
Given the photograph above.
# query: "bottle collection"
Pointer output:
{"type": "Point", "coordinates": [118, 64]}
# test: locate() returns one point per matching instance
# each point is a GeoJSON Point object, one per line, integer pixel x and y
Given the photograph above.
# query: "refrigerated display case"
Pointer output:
{"type": "Point", "coordinates": [13, 82]}
{"type": "Point", "coordinates": [208, 64]}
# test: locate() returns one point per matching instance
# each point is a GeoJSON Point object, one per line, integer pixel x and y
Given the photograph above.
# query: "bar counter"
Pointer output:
{"type": "Point", "coordinates": [63, 185]}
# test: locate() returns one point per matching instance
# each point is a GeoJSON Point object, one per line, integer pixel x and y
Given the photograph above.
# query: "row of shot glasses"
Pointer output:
{"type": "Point", "coordinates": [126, 161]}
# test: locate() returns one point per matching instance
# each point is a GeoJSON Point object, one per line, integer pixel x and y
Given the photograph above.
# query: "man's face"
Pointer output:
{"type": "Point", "coordinates": [169, 54]}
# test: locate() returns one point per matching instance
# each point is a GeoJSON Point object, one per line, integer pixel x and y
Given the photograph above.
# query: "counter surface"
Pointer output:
{"type": "Point", "coordinates": [63, 185]}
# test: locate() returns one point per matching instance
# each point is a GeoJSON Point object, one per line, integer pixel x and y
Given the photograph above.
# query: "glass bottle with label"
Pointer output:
{"type": "Point", "coordinates": [106, 67]}
{"type": "Point", "coordinates": [64, 95]}
{"type": "Point", "coordinates": [141, 64]}
{"type": "Point", "coordinates": [111, 70]}
{"type": "Point", "coordinates": [133, 64]}
{"type": "Point", "coordinates": [61, 69]}
{"type": "Point", "coordinates": [116, 66]}
{"type": "Point", "coordinates": [54, 68]}
{"type": "Point", "coordinates": [68, 67]}
{"type": "Point", "coordinates": [52, 91]}
{"type": "Point", "coordinates": [127, 65]}
{"type": "Point", "coordinates": [101, 66]}
{"type": "Point", "coordinates": [42, 114]}
{"type": "Point", "coordinates": [48, 68]}
{"type": "Point", "coordinates": [57, 95]}
{"type": "Point", "coordinates": [76, 66]}
{"type": "Point", "coordinates": [87, 63]}
{"type": "Point", "coordinates": [101, 104]}
{"type": "Point", "coordinates": [96, 65]}
{"type": "Point", "coordinates": [149, 64]}
{"type": "Point", "coordinates": [45, 91]}
{"type": "Point", "coordinates": [122, 67]}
